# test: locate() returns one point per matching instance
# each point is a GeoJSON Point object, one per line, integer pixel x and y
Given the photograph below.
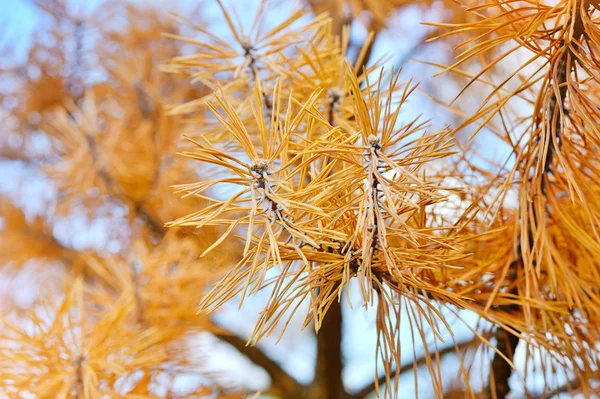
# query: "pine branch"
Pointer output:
{"type": "Point", "coordinates": [498, 386]}
{"type": "Point", "coordinates": [366, 391]}
{"type": "Point", "coordinates": [281, 382]}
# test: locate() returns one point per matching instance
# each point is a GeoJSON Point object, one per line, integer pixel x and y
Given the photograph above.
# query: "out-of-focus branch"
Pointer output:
{"type": "Point", "coordinates": [281, 382]}
{"type": "Point", "coordinates": [11, 156]}
{"type": "Point", "coordinates": [399, 63]}
{"type": "Point", "coordinates": [365, 55]}
{"type": "Point", "coordinates": [137, 208]}
{"type": "Point", "coordinates": [338, 16]}
{"type": "Point", "coordinates": [366, 391]}
{"type": "Point", "coordinates": [22, 239]}
{"type": "Point", "coordinates": [569, 387]}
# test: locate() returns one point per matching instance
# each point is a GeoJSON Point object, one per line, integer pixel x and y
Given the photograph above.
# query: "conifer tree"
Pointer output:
{"type": "Point", "coordinates": [276, 157]}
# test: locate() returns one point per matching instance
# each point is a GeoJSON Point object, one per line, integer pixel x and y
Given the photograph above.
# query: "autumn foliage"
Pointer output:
{"type": "Point", "coordinates": [273, 155]}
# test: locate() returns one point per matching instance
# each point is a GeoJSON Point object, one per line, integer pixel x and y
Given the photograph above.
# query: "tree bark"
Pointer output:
{"type": "Point", "coordinates": [329, 365]}
{"type": "Point", "coordinates": [499, 386]}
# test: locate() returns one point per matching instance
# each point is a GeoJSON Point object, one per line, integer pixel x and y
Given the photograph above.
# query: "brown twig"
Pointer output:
{"type": "Point", "coordinates": [366, 391]}
{"type": "Point", "coordinates": [569, 387]}
{"type": "Point", "coordinates": [282, 382]}
{"type": "Point", "coordinates": [507, 343]}
{"type": "Point", "coordinates": [361, 63]}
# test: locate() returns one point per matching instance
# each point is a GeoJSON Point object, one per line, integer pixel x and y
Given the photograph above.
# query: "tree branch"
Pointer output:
{"type": "Point", "coordinates": [282, 383]}
{"type": "Point", "coordinates": [501, 370]}
{"type": "Point", "coordinates": [328, 382]}
{"type": "Point", "coordinates": [364, 392]}
{"type": "Point", "coordinates": [569, 387]}
{"type": "Point", "coordinates": [137, 208]}
{"type": "Point", "coordinates": [499, 386]}
{"type": "Point", "coordinates": [365, 55]}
